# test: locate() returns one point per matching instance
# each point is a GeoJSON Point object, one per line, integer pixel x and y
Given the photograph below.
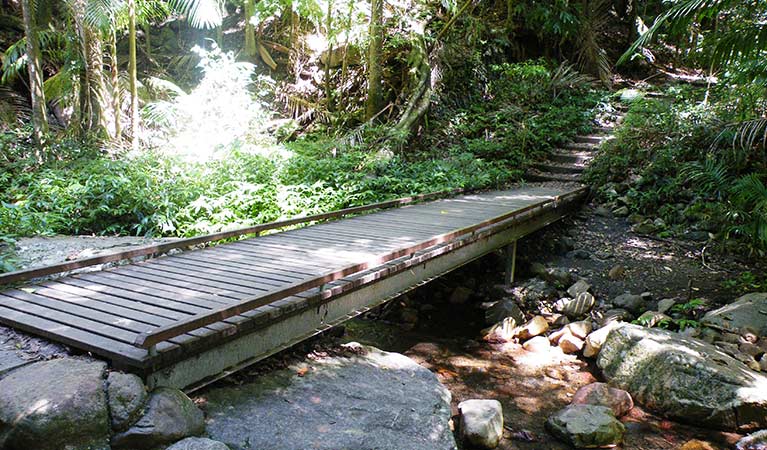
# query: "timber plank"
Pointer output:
{"type": "Point", "coordinates": [268, 272]}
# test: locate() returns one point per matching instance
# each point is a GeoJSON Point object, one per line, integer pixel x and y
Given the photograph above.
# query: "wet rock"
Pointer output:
{"type": "Point", "coordinates": [481, 422]}
{"type": "Point", "coordinates": [665, 304]}
{"type": "Point", "coordinates": [534, 327]}
{"type": "Point", "coordinates": [537, 344]}
{"type": "Point", "coordinates": [616, 272]}
{"type": "Point", "coordinates": [195, 443]}
{"type": "Point", "coordinates": [618, 400]}
{"type": "Point", "coordinates": [126, 395]}
{"type": "Point", "coordinates": [594, 341]}
{"type": "Point", "coordinates": [374, 399]}
{"type": "Point", "coordinates": [630, 302]}
{"type": "Point", "coordinates": [579, 287]}
{"type": "Point", "coordinates": [460, 295]}
{"type": "Point", "coordinates": [10, 360]}
{"type": "Point", "coordinates": [684, 378]}
{"type": "Point", "coordinates": [586, 426]}
{"type": "Point", "coordinates": [54, 404]}
{"type": "Point", "coordinates": [502, 309]}
{"type": "Point", "coordinates": [577, 307]}
{"type": "Point", "coordinates": [754, 441]}
{"type": "Point", "coordinates": [170, 415]}
{"type": "Point", "coordinates": [746, 314]}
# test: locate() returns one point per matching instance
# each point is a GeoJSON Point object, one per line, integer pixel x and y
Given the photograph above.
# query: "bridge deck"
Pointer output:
{"type": "Point", "coordinates": [107, 312]}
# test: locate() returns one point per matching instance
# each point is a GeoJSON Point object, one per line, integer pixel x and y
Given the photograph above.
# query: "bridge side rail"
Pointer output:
{"type": "Point", "coordinates": [27, 274]}
{"type": "Point", "coordinates": [148, 340]}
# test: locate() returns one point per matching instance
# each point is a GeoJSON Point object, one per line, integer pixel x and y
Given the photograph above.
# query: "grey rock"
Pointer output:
{"type": "Point", "coordinates": [195, 443]}
{"type": "Point", "coordinates": [481, 422]}
{"type": "Point", "coordinates": [665, 304]}
{"type": "Point", "coordinates": [558, 276]}
{"type": "Point", "coordinates": [54, 404]}
{"type": "Point", "coordinates": [594, 341]}
{"type": "Point", "coordinates": [618, 400]}
{"type": "Point", "coordinates": [10, 360]}
{"type": "Point", "coordinates": [635, 218]}
{"type": "Point", "coordinates": [645, 227]}
{"type": "Point", "coordinates": [616, 272]}
{"type": "Point", "coordinates": [684, 378]}
{"type": "Point", "coordinates": [621, 211]}
{"type": "Point", "coordinates": [579, 287]}
{"type": "Point", "coordinates": [653, 318]}
{"type": "Point", "coordinates": [505, 330]}
{"type": "Point", "coordinates": [615, 315]}
{"type": "Point", "coordinates": [126, 394]}
{"type": "Point", "coordinates": [577, 307]}
{"type": "Point", "coordinates": [374, 400]}
{"type": "Point", "coordinates": [746, 314]}
{"type": "Point", "coordinates": [754, 441]}
{"type": "Point", "coordinates": [460, 295]}
{"type": "Point", "coordinates": [170, 416]}
{"type": "Point", "coordinates": [601, 211]}
{"type": "Point", "coordinates": [579, 254]}
{"type": "Point", "coordinates": [630, 302]}
{"type": "Point", "coordinates": [533, 291]}
{"type": "Point", "coordinates": [502, 309]}
{"type": "Point", "coordinates": [586, 426]}
{"type": "Point", "coordinates": [697, 236]}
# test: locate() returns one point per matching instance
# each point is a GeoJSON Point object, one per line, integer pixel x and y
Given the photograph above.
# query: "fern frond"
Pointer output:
{"type": "Point", "coordinates": [711, 177]}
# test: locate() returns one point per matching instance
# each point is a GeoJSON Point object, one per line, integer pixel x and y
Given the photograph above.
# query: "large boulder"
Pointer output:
{"type": "Point", "coordinates": [126, 394]}
{"type": "Point", "coordinates": [53, 405]}
{"type": "Point", "coordinates": [586, 426]}
{"type": "Point", "coordinates": [684, 378]}
{"type": "Point", "coordinates": [618, 400]}
{"type": "Point", "coordinates": [746, 314]}
{"type": "Point", "coordinates": [170, 415]}
{"type": "Point", "coordinates": [481, 422]}
{"type": "Point", "coordinates": [369, 400]}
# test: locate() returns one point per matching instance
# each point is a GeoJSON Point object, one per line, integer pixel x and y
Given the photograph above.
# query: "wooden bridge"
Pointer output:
{"type": "Point", "coordinates": [185, 319]}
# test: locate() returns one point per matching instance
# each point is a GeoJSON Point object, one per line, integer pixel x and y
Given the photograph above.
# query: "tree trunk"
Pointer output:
{"type": "Point", "coordinates": [134, 120]}
{"type": "Point", "coordinates": [250, 30]}
{"type": "Point", "coordinates": [92, 90]}
{"type": "Point", "coordinates": [374, 59]}
{"type": "Point", "coordinates": [116, 97]}
{"type": "Point", "coordinates": [328, 90]}
{"type": "Point", "coordinates": [39, 118]}
{"type": "Point", "coordinates": [147, 41]}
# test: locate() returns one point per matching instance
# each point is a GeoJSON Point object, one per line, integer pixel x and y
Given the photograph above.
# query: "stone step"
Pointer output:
{"type": "Point", "coordinates": [581, 146]}
{"type": "Point", "coordinates": [593, 139]}
{"type": "Point", "coordinates": [567, 157]}
{"type": "Point", "coordinates": [559, 168]}
{"type": "Point", "coordinates": [536, 175]}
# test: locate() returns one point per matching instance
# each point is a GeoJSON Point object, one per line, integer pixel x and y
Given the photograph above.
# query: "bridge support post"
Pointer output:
{"type": "Point", "coordinates": [511, 262]}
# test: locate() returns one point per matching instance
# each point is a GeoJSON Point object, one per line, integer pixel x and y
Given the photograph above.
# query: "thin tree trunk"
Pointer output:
{"type": "Point", "coordinates": [374, 59]}
{"type": "Point", "coordinates": [39, 118]}
{"type": "Point", "coordinates": [250, 30]}
{"type": "Point", "coordinates": [147, 41]}
{"type": "Point", "coordinates": [329, 59]}
{"type": "Point", "coordinates": [116, 100]}
{"type": "Point", "coordinates": [345, 60]}
{"type": "Point", "coordinates": [134, 119]}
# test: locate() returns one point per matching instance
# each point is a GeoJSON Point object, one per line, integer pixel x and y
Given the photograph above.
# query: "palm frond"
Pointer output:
{"type": "Point", "coordinates": [711, 177]}
{"type": "Point", "coordinates": [746, 135]}
{"type": "Point", "coordinates": [591, 56]}
{"type": "Point", "coordinates": [200, 13]}
{"type": "Point", "coordinates": [566, 76]}
{"type": "Point", "coordinates": [679, 16]}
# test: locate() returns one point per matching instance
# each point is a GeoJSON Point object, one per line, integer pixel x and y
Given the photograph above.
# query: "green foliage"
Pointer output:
{"type": "Point", "coordinates": [746, 282]}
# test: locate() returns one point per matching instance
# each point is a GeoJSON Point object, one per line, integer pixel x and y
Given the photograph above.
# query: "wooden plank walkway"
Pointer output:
{"type": "Point", "coordinates": [119, 313]}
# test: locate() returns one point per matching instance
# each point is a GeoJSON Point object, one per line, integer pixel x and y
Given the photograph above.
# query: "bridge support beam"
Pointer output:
{"type": "Point", "coordinates": [510, 252]}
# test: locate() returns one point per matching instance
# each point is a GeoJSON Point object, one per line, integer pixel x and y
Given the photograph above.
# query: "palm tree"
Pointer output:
{"type": "Point", "coordinates": [39, 114]}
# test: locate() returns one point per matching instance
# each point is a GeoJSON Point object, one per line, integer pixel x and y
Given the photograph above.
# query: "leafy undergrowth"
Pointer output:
{"type": "Point", "coordinates": [689, 162]}
{"type": "Point", "coordinates": [530, 108]}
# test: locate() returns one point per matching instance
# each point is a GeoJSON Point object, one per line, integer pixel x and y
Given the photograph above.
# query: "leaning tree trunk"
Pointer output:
{"type": "Point", "coordinates": [374, 59]}
{"type": "Point", "coordinates": [134, 119]}
{"type": "Point", "coordinates": [39, 118]}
